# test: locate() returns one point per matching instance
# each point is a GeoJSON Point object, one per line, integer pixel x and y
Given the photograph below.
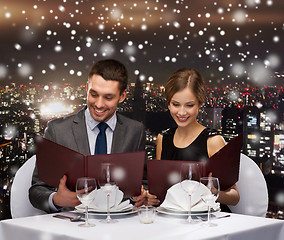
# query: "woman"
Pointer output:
{"type": "Point", "coordinates": [185, 93]}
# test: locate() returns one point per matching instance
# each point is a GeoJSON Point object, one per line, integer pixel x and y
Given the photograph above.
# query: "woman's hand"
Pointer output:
{"type": "Point", "coordinates": [151, 200]}
{"type": "Point", "coordinates": [145, 198]}
{"type": "Point", "coordinates": [139, 200]}
{"type": "Point", "coordinates": [229, 196]}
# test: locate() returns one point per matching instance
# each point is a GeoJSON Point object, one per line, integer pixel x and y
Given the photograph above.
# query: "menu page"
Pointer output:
{"type": "Point", "coordinates": [55, 160]}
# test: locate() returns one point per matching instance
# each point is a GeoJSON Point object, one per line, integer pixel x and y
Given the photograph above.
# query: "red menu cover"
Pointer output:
{"type": "Point", "coordinates": [54, 160]}
{"type": "Point", "coordinates": [224, 164]}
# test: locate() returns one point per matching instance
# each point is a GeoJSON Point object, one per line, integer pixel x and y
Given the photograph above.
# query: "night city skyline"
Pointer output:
{"type": "Point", "coordinates": [257, 112]}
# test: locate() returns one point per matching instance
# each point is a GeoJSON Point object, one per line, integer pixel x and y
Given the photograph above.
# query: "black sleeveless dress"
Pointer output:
{"type": "Point", "coordinates": [196, 151]}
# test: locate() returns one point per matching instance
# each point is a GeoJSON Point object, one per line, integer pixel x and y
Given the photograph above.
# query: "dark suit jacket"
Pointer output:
{"type": "Point", "coordinates": [71, 132]}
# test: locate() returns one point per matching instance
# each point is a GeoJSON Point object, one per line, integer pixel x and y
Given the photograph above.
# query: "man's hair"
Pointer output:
{"type": "Point", "coordinates": [110, 69]}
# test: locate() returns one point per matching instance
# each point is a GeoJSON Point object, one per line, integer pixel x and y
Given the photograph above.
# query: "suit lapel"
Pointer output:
{"type": "Point", "coordinates": [118, 136]}
{"type": "Point", "coordinates": [80, 133]}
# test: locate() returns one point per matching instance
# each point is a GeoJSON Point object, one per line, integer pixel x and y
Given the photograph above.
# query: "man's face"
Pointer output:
{"type": "Point", "coordinates": [103, 97]}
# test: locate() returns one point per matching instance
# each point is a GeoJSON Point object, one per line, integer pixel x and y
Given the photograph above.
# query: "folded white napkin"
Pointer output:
{"type": "Point", "coordinates": [177, 199]}
{"type": "Point", "coordinates": [100, 200]}
{"type": "Point", "coordinates": [115, 202]}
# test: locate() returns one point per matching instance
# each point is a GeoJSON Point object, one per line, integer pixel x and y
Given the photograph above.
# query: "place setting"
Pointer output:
{"type": "Point", "coordinates": [117, 206]}
{"type": "Point", "coordinates": [102, 197]}
{"type": "Point", "coordinates": [193, 197]}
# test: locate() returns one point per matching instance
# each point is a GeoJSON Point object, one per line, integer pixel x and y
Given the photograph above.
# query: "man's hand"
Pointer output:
{"type": "Point", "coordinates": [64, 197]}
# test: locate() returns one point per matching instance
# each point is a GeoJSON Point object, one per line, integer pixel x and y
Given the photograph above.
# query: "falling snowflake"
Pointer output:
{"type": "Point", "coordinates": [3, 71]}
{"type": "Point", "coordinates": [18, 46]}
{"type": "Point", "coordinates": [239, 16]}
{"type": "Point", "coordinates": [107, 49]}
{"type": "Point", "coordinates": [8, 15]}
{"type": "Point", "coordinates": [61, 8]}
{"type": "Point", "coordinates": [259, 74]}
{"type": "Point", "coordinates": [238, 69]}
{"type": "Point", "coordinates": [273, 61]}
{"type": "Point", "coordinates": [52, 67]}
{"type": "Point", "coordinates": [58, 48]}
{"type": "Point", "coordinates": [24, 69]}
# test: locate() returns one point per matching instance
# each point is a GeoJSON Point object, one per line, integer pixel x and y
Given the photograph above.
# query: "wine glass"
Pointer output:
{"type": "Point", "coordinates": [108, 186]}
{"type": "Point", "coordinates": [189, 182]}
{"type": "Point", "coordinates": [212, 183]}
{"type": "Point", "coordinates": [86, 189]}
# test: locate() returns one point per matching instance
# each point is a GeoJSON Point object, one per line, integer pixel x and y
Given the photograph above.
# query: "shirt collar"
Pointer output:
{"type": "Point", "coordinates": [93, 123]}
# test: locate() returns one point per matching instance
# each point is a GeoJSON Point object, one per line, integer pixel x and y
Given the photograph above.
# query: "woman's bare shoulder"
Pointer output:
{"type": "Point", "coordinates": [215, 143]}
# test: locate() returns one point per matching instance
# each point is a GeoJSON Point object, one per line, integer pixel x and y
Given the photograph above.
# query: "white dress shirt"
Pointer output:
{"type": "Point", "coordinates": [93, 131]}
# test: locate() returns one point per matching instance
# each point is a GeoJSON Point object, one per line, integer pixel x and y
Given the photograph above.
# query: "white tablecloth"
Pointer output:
{"type": "Point", "coordinates": [236, 227]}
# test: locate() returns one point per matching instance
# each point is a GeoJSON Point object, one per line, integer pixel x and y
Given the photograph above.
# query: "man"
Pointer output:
{"type": "Point", "coordinates": [106, 87]}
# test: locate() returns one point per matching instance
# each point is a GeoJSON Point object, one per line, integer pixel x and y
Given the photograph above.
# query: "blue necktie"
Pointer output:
{"type": "Point", "coordinates": [101, 143]}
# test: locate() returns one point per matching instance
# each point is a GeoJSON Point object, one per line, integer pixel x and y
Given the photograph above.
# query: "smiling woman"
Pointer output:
{"type": "Point", "coordinates": [190, 141]}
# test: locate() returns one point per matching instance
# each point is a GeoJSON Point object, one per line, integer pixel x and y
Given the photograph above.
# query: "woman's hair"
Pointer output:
{"type": "Point", "coordinates": [183, 78]}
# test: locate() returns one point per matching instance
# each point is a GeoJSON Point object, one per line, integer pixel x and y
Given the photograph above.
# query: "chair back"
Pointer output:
{"type": "Point", "coordinates": [20, 205]}
{"type": "Point", "coordinates": [252, 189]}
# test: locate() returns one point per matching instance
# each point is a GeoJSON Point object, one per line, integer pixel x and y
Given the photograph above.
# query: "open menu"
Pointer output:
{"type": "Point", "coordinates": [54, 160]}
{"type": "Point", "coordinates": [224, 164]}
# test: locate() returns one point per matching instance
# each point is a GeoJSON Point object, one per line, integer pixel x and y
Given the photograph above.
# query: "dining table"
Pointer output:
{"type": "Point", "coordinates": [165, 226]}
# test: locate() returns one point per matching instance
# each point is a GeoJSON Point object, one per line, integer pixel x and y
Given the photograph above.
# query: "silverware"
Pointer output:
{"type": "Point", "coordinates": [72, 219]}
{"type": "Point", "coordinates": [201, 218]}
{"type": "Point", "coordinates": [205, 219]}
{"type": "Point", "coordinates": [224, 216]}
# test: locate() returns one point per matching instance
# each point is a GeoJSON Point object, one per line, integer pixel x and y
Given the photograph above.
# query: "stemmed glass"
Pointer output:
{"type": "Point", "coordinates": [212, 183]}
{"type": "Point", "coordinates": [108, 186]}
{"type": "Point", "coordinates": [86, 189]}
{"type": "Point", "coordinates": [189, 182]}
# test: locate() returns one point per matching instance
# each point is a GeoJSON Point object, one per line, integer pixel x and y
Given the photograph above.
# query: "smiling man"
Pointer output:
{"type": "Point", "coordinates": [106, 88]}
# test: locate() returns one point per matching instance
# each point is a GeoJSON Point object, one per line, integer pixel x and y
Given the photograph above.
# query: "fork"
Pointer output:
{"type": "Point", "coordinates": [72, 219]}
{"type": "Point", "coordinates": [205, 219]}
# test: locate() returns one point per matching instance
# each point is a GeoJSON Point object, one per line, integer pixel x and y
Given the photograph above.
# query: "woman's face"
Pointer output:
{"type": "Point", "coordinates": [184, 107]}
